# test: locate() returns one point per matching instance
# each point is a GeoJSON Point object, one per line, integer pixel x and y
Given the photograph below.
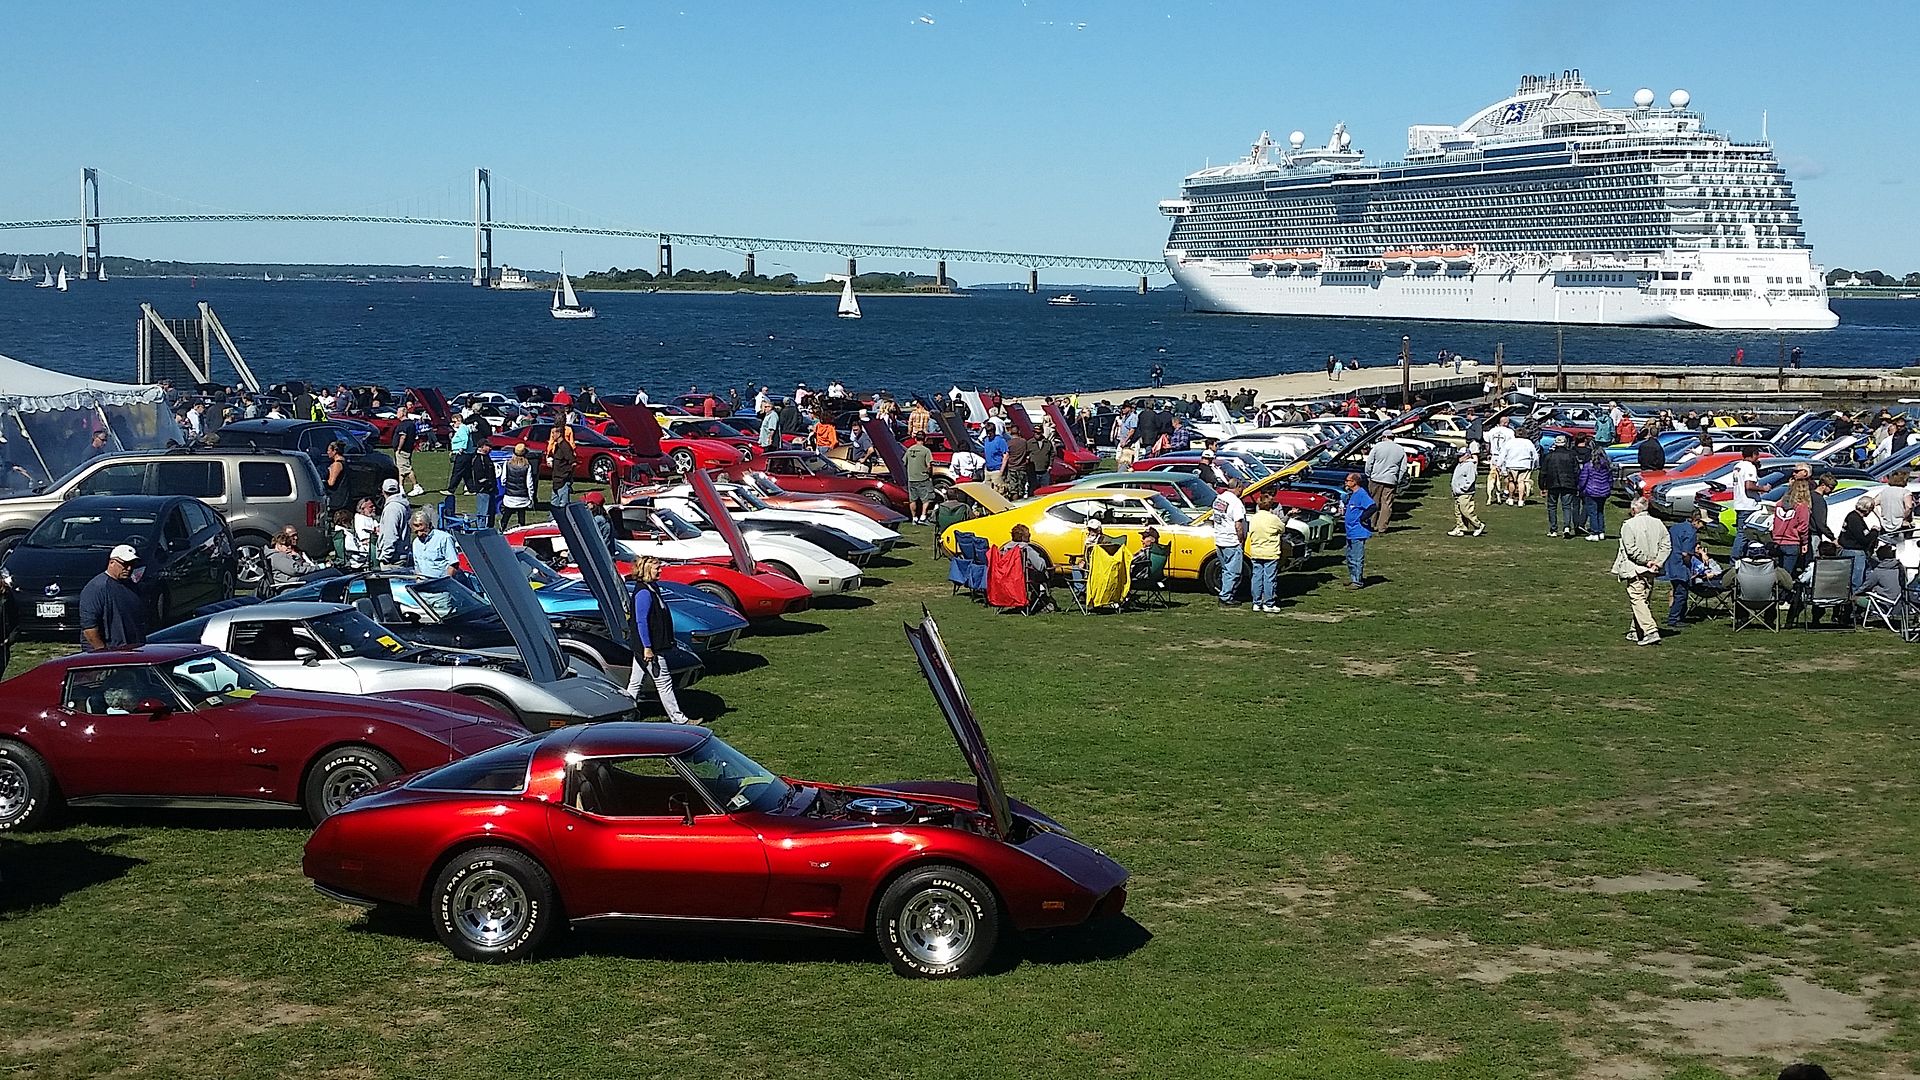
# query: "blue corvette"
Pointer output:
{"type": "Point", "coordinates": [700, 622]}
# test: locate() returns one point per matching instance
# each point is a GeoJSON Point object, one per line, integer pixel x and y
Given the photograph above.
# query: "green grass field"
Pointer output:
{"type": "Point", "coordinates": [1448, 826]}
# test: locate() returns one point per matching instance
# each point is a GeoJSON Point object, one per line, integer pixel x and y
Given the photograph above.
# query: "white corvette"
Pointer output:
{"type": "Point", "coordinates": [745, 504]}
{"type": "Point", "coordinates": [651, 530]}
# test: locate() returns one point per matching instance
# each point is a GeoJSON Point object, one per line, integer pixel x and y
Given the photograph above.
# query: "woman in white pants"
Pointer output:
{"type": "Point", "coordinates": [653, 625]}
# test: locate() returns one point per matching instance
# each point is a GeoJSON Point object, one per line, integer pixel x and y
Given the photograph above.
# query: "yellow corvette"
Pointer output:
{"type": "Point", "coordinates": [1058, 524]}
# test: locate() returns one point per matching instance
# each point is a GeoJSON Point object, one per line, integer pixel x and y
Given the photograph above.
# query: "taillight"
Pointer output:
{"type": "Point", "coordinates": [314, 511]}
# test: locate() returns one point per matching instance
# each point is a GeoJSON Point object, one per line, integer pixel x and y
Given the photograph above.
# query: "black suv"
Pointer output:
{"type": "Point", "coordinates": [366, 468]}
{"type": "Point", "coordinates": [186, 558]}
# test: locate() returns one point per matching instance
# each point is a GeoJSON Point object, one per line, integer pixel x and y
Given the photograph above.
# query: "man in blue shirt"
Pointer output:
{"type": "Point", "coordinates": [433, 552]}
{"type": "Point", "coordinates": [112, 615]}
{"type": "Point", "coordinates": [1354, 513]}
{"type": "Point", "coordinates": [995, 451]}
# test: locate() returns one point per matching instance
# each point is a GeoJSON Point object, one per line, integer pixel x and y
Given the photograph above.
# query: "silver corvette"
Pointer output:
{"type": "Point", "coordinates": [336, 648]}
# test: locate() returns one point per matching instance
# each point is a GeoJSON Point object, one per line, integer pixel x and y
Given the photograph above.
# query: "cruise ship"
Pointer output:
{"type": "Point", "coordinates": [1544, 207]}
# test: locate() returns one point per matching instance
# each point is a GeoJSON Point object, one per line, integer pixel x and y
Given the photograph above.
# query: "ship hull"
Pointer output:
{"type": "Point", "coordinates": [1484, 295]}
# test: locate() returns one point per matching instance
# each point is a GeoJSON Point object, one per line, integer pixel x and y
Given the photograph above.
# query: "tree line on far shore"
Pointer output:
{"type": "Point", "coordinates": [1841, 276]}
{"type": "Point", "coordinates": [688, 278]}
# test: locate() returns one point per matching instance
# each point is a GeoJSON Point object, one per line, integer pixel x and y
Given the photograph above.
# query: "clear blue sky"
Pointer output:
{"type": "Point", "coordinates": [1043, 125]}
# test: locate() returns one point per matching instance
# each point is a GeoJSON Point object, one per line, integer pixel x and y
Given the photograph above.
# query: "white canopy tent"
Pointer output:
{"type": "Point", "coordinates": [48, 418]}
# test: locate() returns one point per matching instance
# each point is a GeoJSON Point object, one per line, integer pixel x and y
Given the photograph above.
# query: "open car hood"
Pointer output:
{"type": "Point", "coordinates": [952, 699]}
{"type": "Point", "coordinates": [439, 413]}
{"type": "Point", "coordinates": [1069, 438]}
{"type": "Point", "coordinates": [505, 583]}
{"type": "Point", "coordinates": [723, 523]}
{"type": "Point", "coordinates": [957, 436]}
{"type": "Point", "coordinates": [597, 570]}
{"type": "Point", "coordinates": [986, 496]}
{"type": "Point", "coordinates": [638, 424]}
{"type": "Point", "coordinates": [889, 449]}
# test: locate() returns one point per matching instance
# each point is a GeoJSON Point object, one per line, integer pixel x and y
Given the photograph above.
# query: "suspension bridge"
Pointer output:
{"type": "Point", "coordinates": [536, 213]}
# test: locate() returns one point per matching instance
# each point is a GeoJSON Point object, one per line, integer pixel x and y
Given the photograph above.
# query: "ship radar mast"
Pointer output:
{"type": "Point", "coordinates": [1258, 155]}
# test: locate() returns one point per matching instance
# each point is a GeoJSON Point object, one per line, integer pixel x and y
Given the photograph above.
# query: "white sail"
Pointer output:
{"type": "Point", "coordinates": [61, 283]}
{"type": "Point", "coordinates": [46, 277]}
{"type": "Point", "coordinates": [565, 304]}
{"type": "Point", "coordinates": [20, 271]}
{"type": "Point", "coordinates": [103, 271]}
{"type": "Point", "coordinates": [849, 304]}
{"type": "Point", "coordinates": [264, 276]}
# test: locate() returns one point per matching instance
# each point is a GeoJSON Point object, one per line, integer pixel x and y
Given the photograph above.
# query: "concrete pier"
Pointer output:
{"type": "Point", "coordinates": [1143, 284]}
{"type": "Point", "coordinates": [853, 267]}
{"type": "Point", "coordinates": [940, 273]}
{"type": "Point", "coordinates": [1033, 281]}
{"type": "Point", "coordinates": [1432, 382]}
{"type": "Point", "coordinates": [750, 264]}
{"type": "Point", "coordinates": [664, 267]}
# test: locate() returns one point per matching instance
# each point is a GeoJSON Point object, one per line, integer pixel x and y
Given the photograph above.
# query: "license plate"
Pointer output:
{"type": "Point", "coordinates": [50, 609]}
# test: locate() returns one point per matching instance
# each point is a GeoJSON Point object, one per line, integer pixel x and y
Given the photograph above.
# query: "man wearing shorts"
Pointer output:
{"type": "Point", "coordinates": [919, 481]}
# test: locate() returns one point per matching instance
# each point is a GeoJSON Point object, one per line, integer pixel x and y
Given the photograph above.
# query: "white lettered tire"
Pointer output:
{"type": "Point", "coordinates": [938, 922]}
{"type": "Point", "coordinates": [342, 775]}
{"type": "Point", "coordinates": [493, 905]}
{"type": "Point", "coordinates": [26, 788]}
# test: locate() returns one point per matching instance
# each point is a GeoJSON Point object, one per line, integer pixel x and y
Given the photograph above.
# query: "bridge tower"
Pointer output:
{"type": "Point", "coordinates": [90, 261]}
{"type": "Point", "coordinates": [482, 229]}
{"type": "Point", "coordinates": [663, 268]}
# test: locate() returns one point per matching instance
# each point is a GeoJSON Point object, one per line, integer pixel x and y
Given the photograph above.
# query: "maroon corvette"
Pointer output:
{"type": "Point", "coordinates": [669, 825]}
{"type": "Point", "coordinates": [190, 726]}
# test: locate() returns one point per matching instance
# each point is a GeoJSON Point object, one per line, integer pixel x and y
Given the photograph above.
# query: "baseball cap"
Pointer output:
{"type": "Point", "coordinates": [1756, 548]}
{"type": "Point", "coordinates": [124, 553]}
{"type": "Point", "coordinates": [1206, 455]}
{"type": "Point", "coordinates": [390, 486]}
{"type": "Point", "coordinates": [594, 498]}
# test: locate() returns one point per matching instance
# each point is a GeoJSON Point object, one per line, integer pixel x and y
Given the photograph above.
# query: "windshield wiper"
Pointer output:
{"type": "Point", "coordinates": [793, 790]}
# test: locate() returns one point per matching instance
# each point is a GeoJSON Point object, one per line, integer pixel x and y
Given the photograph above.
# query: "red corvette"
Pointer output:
{"type": "Point", "coordinates": [665, 823]}
{"type": "Point", "coordinates": [636, 427]}
{"type": "Point", "coordinates": [187, 725]}
{"type": "Point", "coordinates": [807, 472]}
{"type": "Point", "coordinates": [763, 594]}
{"type": "Point", "coordinates": [776, 494]}
{"type": "Point", "coordinates": [597, 456]}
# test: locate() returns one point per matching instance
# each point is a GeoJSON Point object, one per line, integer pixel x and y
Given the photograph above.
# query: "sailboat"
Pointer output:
{"type": "Point", "coordinates": [20, 271]}
{"type": "Point", "coordinates": [565, 304]}
{"type": "Point", "coordinates": [264, 276]}
{"type": "Point", "coordinates": [102, 275]}
{"type": "Point", "coordinates": [62, 283]}
{"type": "Point", "coordinates": [849, 304]}
{"type": "Point", "coordinates": [46, 276]}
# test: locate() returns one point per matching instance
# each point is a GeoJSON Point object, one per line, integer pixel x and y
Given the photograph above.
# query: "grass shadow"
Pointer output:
{"type": "Point", "coordinates": [785, 627]}
{"type": "Point", "coordinates": [699, 704]}
{"type": "Point", "coordinates": [36, 874]}
{"type": "Point", "coordinates": [1103, 939]}
{"type": "Point", "coordinates": [732, 662]}
{"type": "Point", "coordinates": [843, 602]}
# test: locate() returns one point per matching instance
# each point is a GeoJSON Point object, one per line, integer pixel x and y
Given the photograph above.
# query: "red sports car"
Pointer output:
{"type": "Point", "coordinates": [636, 427]}
{"type": "Point", "coordinates": [763, 594]}
{"type": "Point", "coordinates": [776, 494]}
{"type": "Point", "coordinates": [188, 725]}
{"type": "Point", "coordinates": [596, 456]}
{"type": "Point", "coordinates": [807, 472]}
{"type": "Point", "coordinates": [619, 821]}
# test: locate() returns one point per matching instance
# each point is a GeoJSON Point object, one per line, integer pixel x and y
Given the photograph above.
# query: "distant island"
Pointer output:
{"type": "Point", "coordinates": [687, 279]}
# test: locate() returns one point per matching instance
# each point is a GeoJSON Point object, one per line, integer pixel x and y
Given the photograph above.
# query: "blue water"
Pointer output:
{"type": "Point", "coordinates": [459, 338]}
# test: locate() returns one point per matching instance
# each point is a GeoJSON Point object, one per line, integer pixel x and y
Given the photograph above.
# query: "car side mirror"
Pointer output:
{"type": "Point", "coordinates": [307, 655]}
{"type": "Point", "coordinates": [682, 804]}
{"type": "Point", "coordinates": [153, 707]}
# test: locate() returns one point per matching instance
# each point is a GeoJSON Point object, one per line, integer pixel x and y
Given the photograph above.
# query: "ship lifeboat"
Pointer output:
{"type": "Point", "coordinates": [1463, 257]}
{"type": "Point", "coordinates": [1261, 263]}
{"type": "Point", "coordinates": [1397, 260]}
{"type": "Point", "coordinates": [1429, 260]}
{"type": "Point", "coordinates": [1308, 258]}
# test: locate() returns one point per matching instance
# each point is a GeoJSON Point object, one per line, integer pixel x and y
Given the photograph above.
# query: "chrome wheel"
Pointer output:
{"type": "Point", "coordinates": [936, 926]}
{"type": "Point", "coordinates": [249, 562]}
{"type": "Point", "coordinates": [16, 793]}
{"type": "Point", "coordinates": [489, 908]}
{"type": "Point", "coordinates": [345, 784]}
{"type": "Point", "coordinates": [602, 469]}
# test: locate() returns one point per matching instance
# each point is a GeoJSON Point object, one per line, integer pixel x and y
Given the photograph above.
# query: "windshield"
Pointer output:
{"type": "Point", "coordinates": [764, 484]}
{"type": "Point", "coordinates": [443, 599]}
{"type": "Point", "coordinates": [79, 531]}
{"type": "Point", "coordinates": [539, 574]}
{"type": "Point", "coordinates": [734, 781]}
{"type": "Point", "coordinates": [1198, 491]}
{"type": "Point", "coordinates": [349, 633]}
{"type": "Point", "coordinates": [711, 429]}
{"type": "Point", "coordinates": [746, 496]}
{"type": "Point", "coordinates": [676, 526]}
{"type": "Point", "coordinates": [212, 681]}
{"type": "Point", "coordinates": [1169, 513]}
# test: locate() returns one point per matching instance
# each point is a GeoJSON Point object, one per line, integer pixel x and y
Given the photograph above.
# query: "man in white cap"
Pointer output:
{"type": "Point", "coordinates": [112, 615]}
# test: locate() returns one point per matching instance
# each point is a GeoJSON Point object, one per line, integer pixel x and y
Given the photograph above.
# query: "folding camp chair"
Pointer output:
{"type": "Point", "coordinates": [1708, 597]}
{"type": "Point", "coordinates": [454, 521]}
{"type": "Point", "coordinates": [1830, 591]}
{"type": "Point", "coordinates": [957, 575]}
{"type": "Point", "coordinates": [1149, 572]}
{"type": "Point", "coordinates": [973, 549]}
{"type": "Point", "coordinates": [1889, 612]}
{"type": "Point", "coordinates": [1756, 596]}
